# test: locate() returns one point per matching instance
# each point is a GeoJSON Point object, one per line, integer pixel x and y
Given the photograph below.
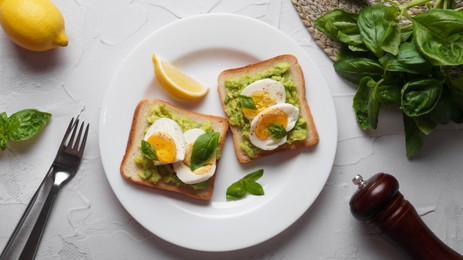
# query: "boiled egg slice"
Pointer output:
{"type": "Point", "coordinates": [183, 170]}
{"type": "Point", "coordinates": [265, 93]}
{"type": "Point", "coordinates": [283, 114]}
{"type": "Point", "coordinates": [167, 139]}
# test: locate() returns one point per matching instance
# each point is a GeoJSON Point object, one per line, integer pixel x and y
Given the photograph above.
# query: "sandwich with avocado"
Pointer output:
{"type": "Point", "coordinates": [173, 149]}
{"type": "Point", "coordinates": [267, 107]}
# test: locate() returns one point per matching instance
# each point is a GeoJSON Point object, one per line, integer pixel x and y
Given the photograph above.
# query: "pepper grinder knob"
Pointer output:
{"type": "Point", "coordinates": [379, 203]}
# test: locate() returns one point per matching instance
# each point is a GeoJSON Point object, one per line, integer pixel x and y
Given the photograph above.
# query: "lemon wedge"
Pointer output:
{"type": "Point", "coordinates": [176, 82]}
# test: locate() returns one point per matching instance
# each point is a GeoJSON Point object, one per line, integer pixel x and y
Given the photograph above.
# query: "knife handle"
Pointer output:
{"type": "Point", "coordinates": [23, 229]}
{"type": "Point", "coordinates": [379, 203]}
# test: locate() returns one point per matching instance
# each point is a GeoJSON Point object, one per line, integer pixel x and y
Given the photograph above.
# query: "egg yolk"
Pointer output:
{"type": "Point", "coordinates": [273, 116]}
{"type": "Point", "coordinates": [262, 99]}
{"type": "Point", "coordinates": [164, 145]}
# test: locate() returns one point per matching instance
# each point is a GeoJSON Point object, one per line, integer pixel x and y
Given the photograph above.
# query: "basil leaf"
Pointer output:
{"type": "Point", "coordinates": [247, 102]}
{"type": "Point", "coordinates": [337, 21]}
{"type": "Point", "coordinates": [446, 109]}
{"type": "Point", "coordinates": [438, 34]}
{"type": "Point", "coordinates": [236, 191]}
{"type": "Point", "coordinates": [379, 30]}
{"type": "Point", "coordinates": [255, 175]}
{"type": "Point", "coordinates": [203, 148]}
{"type": "Point", "coordinates": [408, 60]}
{"type": "Point", "coordinates": [421, 96]}
{"type": "Point", "coordinates": [342, 26]}
{"type": "Point", "coordinates": [3, 130]}
{"type": "Point", "coordinates": [148, 151]}
{"type": "Point", "coordinates": [425, 125]}
{"type": "Point", "coordinates": [388, 90]}
{"type": "Point", "coordinates": [277, 131]}
{"type": "Point", "coordinates": [26, 123]}
{"type": "Point", "coordinates": [392, 39]}
{"type": "Point", "coordinates": [354, 42]}
{"type": "Point", "coordinates": [366, 105]}
{"type": "Point", "coordinates": [254, 188]}
{"type": "Point", "coordinates": [405, 32]}
{"type": "Point", "coordinates": [245, 185]}
{"type": "Point", "coordinates": [413, 137]}
{"type": "Point", "coordinates": [456, 90]}
{"type": "Point", "coordinates": [354, 69]}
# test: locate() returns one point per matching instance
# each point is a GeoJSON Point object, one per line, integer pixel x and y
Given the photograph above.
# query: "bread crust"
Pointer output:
{"type": "Point", "coordinates": [297, 77]}
{"type": "Point", "coordinates": [129, 170]}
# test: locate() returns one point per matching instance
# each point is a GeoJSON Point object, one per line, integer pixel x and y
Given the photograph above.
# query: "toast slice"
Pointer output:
{"type": "Point", "coordinates": [132, 166]}
{"type": "Point", "coordinates": [260, 70]}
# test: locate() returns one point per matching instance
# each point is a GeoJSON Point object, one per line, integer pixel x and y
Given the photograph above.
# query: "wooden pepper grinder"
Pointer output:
{"type": "Point", "coordinates": [379, 203]}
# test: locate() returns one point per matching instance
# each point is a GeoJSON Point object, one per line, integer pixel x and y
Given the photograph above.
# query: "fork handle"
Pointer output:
{"type": "Point", "coordinates": [30, 215]}
{"type": "Point", "coordinates": [32, 244]}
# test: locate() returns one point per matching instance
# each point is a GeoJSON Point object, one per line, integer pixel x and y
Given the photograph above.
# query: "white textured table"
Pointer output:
{"type": "Point", "coordinates": [88, 222]}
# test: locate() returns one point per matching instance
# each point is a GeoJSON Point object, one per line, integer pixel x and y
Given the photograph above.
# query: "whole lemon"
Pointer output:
{"type": "Point", "coordinates": [36, 25]}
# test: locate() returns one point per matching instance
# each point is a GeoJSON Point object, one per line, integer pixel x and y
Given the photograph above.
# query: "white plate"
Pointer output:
{"type": "Point", "coordinates": [203, 46]}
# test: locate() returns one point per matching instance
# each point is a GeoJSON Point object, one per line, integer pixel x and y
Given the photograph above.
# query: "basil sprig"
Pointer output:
{"type": "Point", "coordinates": [203, 148]}
{"type": "Point", "coordinates": [148, 151]}
{"type": "Point", "coordinates": [247, 102]}
{"type": "Point", "coordinates": [277, 131]}
{"type": "Point", "coordinates": [246, 185]}
{"type": "Point", "coordinates": [21, 125]}
{"type": "Point", "coordinates": [415, 66]}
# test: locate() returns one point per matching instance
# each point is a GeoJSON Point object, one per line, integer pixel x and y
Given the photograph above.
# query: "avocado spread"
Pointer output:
{"type": "Point", "coordinates": [165, 173]}
{"type": "Point", "coordinates": [233, 88]}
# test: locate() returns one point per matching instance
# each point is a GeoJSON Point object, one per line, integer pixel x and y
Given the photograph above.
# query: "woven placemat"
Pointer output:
{"type": "Point", "coordinates": [311, 10]}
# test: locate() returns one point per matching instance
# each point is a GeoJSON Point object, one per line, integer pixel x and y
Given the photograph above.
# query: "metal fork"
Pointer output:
{"type": "Point", "coordinates": [64, 167]}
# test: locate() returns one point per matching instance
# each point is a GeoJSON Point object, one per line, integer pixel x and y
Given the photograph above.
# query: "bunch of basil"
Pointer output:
{"type": "Point", "coordinates": [400, 60]}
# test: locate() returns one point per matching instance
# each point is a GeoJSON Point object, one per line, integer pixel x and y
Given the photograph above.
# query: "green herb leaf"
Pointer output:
{"type": "Point", "coordinates": [421, 96]}
{"type": "Point", "coordinates": [405, 32]}
{"type": "Point", "coordinates": [3, 130]}
{"type": "Point", "coordinates": [354, 69]}
{"type": "Point", "coordinates": [388, 91]}
{"type": "Point", "coordinates": [342, 26]}
{"type": "Point", "coordinates": [379, 30]}
{"type": "Point", "coordinates": [337, 21]}
{"type": "Point", "coordinates": [203, 148]}
{"type": "Point", "coordinates": [26, 123]}
{"type": "Point", "coordinates": [255, 175]}
{"type": "Point", "coordinates": [277, 131]}
{"type": "Point", "coordinates": [245, 185]}
{"type": "Point", "coordinates": [366, 105]}
{"type": "Point", "coordinates": [456, 89]}
{"type": "Point", "coordinates": [148, 151]}
{"type": "Point", "coordinates": [413, 137]}
{"type": "Point", "coordinates": [414, 66]}
{"type": "Point", "coordinates": [254, 188]}
{"type": "Point", "coordinates": [247, 102]}
{"type": "Point", "coordinates": [408, 60]}
{"type": "Point", "coordinates": [236, 191]}
{"type": "Point", "coordinates": [446, 110]}
{"type": "Point", "coordinates": [438, 34]}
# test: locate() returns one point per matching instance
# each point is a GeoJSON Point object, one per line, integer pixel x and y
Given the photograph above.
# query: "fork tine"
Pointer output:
{"type": "Point", "coordinates": [71, 141]}
{"type": "Point", "coordinates": [76, 144]}
{"type": "Point", "coordinates": [84, 140]}
{"type": "Point", "coordinates": [68, 130]}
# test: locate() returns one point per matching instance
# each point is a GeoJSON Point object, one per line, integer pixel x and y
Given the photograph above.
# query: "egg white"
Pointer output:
{"type": "Point", "coordinates": [183, 171]}
{"type": "Point", "coordinates": [273, 87]}
{"type": "Point", "coordinates": [291, 112]}
{"type": "Point", "coordinates": [170, 127]}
